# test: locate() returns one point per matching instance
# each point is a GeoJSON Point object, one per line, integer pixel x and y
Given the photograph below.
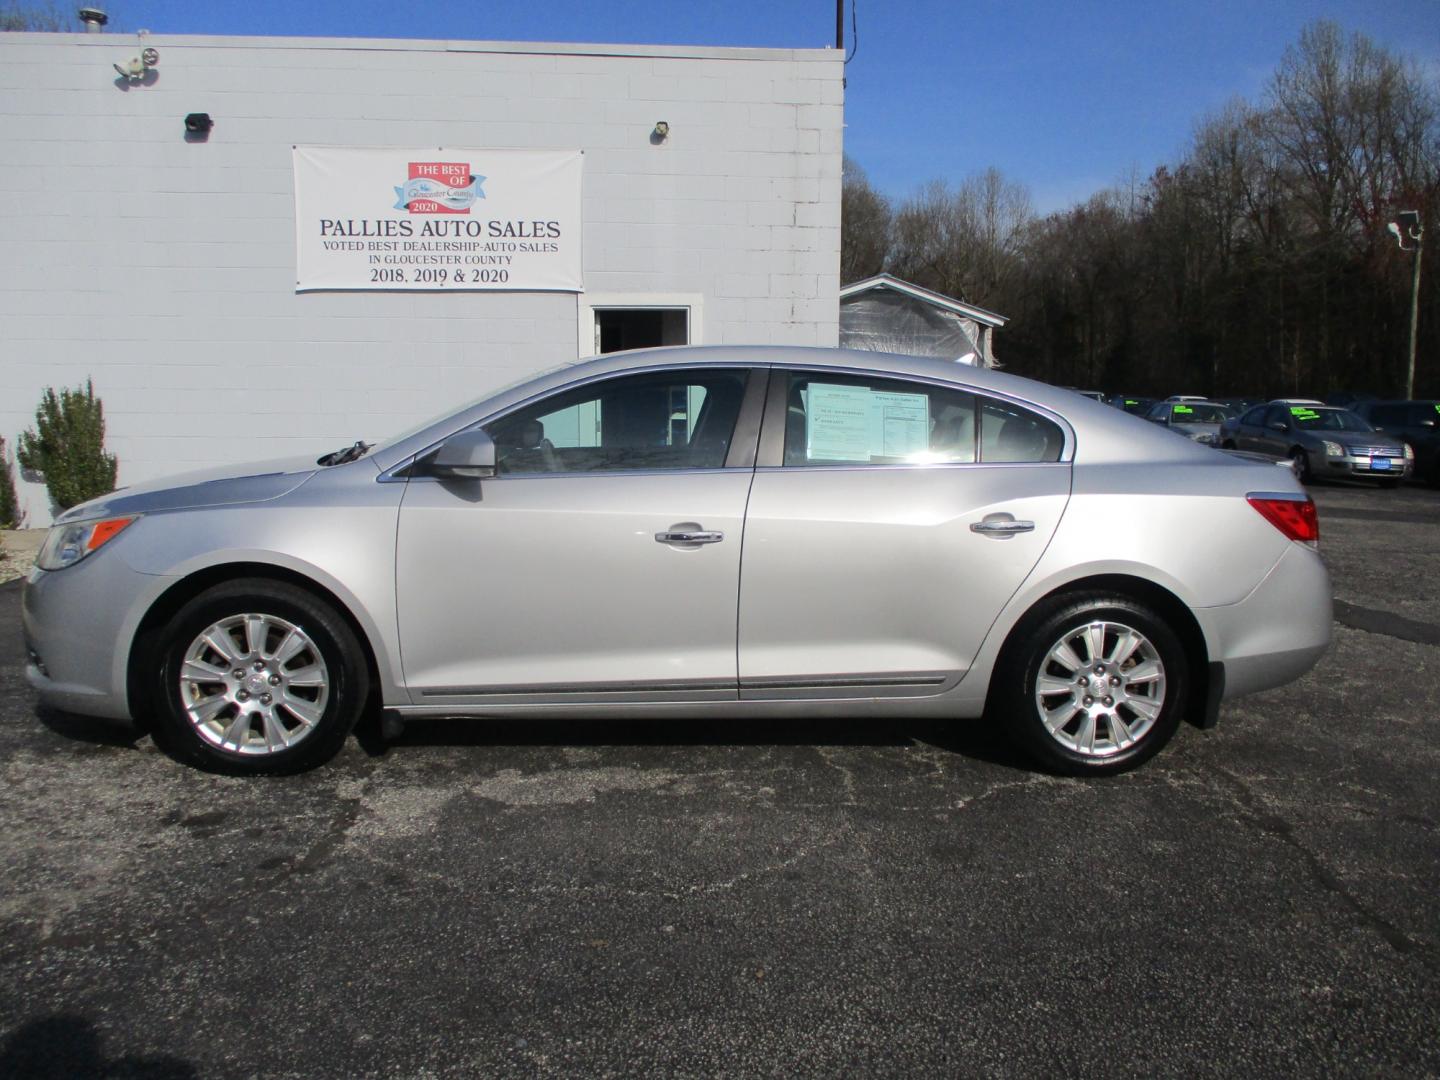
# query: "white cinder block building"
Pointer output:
{"type": "Point", "coordinates": [162, 263]}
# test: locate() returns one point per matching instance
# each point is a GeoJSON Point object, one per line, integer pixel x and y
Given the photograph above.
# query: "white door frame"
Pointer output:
{"type": "Point", "coordinates": [587, 343]}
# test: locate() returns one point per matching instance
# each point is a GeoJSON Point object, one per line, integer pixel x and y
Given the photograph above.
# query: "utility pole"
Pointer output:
{"type": "Point", "coordinates": [840, 25]}
{"type": "Point", "coordinates": [1406, 226]}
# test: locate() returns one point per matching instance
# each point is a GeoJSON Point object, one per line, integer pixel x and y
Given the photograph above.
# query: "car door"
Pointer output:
{"type": "Point", "coordinates": [889, 522]}
{"type": "Point", "coordinates": [1250, 429]}
{"type": "Point", "coordinates": [603, 559]}
{"type": "Point", "coordinates": [1272, 440]}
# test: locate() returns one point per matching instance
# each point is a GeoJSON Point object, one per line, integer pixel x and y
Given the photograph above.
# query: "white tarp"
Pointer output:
{"type": "Point", "coordinates": [451, 219]}
{"type": "Point", "coordinates": [882, 320]}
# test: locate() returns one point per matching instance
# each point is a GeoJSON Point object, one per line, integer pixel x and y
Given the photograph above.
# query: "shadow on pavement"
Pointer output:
{"type": "Point", "coordinates": [66, 1046]}
{"type": "Point", "coordinates": [968, 738]}
{"type": "Point", "coordinates": [90, 729]}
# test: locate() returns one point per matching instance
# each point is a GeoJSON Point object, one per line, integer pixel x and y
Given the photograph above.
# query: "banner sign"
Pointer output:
{"type": "Point", "coordinates": [457, 220]}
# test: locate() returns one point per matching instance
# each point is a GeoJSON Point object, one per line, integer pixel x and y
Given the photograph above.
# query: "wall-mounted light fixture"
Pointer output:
{"type": "Point", "coordinates": [197, 126]}
{"type": "Point", "coordinates": [661, 132]}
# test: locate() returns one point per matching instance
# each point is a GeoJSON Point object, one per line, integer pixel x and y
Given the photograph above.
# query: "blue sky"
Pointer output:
{"type": "Point", "coordinates": [1065, 97]}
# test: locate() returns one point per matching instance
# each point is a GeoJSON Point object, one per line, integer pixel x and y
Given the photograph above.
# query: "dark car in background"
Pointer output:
{"type": "Point", "coordinates": [1416, 422]}
{"type": "Point", "coordinates": [1238, 405]}
{"type": "Point", "coordinates": [1321, 440]}
{"type": "Point", "coordinates": [1136, 406]}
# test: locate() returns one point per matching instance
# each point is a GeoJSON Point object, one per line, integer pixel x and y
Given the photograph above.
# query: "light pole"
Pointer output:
{"type": "Point", "coordinates": [1406, 226]}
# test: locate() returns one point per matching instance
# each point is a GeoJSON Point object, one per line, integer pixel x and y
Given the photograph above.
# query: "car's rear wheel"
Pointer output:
{"type": "Point", "coordinates": [1094, 686]}
{"type": "Point", "coordinates": [257, 676]}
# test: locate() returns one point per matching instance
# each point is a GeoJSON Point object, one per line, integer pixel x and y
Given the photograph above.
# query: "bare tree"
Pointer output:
{"type": "Point", "coordinates": [864, 225]}
{"type": "Point", "coordinates": [964, 242]}
{"type": "Point", "coordinates": [46, 18]}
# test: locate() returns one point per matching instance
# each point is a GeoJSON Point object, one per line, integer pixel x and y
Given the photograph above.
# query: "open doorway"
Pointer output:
{"type": "Point", "coordinates": [612, 322]}
{"type": "Point", "coordinates": [640, 328]}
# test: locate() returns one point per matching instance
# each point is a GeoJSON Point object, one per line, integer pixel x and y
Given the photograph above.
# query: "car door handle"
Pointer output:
{"type": "Point", "coordinates": [1002, 526]}
{"type": "Point", "coordinates": [689, 536]}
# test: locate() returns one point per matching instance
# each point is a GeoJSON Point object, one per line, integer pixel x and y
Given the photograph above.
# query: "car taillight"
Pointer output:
{"type": "Point", "coordinates": [1293, 516]}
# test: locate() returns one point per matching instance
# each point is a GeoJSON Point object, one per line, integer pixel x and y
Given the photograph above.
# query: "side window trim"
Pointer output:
{"type": "Point", "coordinates": [749, 424]}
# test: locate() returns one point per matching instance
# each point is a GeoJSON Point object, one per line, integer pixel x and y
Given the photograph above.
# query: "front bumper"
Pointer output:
{"type": "Point", "coordinates": [78, 624]}
{"type": "Point", "coordinates": [1362, 466]}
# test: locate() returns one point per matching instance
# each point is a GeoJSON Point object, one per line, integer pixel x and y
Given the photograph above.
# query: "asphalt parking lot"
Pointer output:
{"type": "Point", "coordinates": [755, 899]}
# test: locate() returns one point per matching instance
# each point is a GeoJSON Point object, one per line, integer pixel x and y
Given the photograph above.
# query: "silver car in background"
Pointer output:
{"type": "Point", "coordinates": [696, 533]}
{"type": "Point", "coordinates": [1198, 420]}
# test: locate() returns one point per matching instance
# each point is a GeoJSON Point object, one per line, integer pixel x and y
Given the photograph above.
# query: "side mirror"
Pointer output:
{"type": "Point", "coordinates": [466, 455]}
{"type": "Point", "coordinates": [1427, 423]}
{"type": "Point", "coordinates": [1279, 425]}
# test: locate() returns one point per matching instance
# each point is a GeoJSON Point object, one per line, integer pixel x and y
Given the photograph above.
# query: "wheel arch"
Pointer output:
{"type": "Point", "coordinates": [137, 688]}
{"type": "Point", "coordinates": [1202, 694]}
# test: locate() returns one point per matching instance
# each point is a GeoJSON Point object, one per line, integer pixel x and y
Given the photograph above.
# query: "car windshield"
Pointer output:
{"type": "Point", "coordinates": [1313, 418]}
{"type": "Point", "coordinates": [1197, 413]}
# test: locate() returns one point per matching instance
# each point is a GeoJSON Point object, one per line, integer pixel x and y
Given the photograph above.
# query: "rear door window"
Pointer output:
{"type": "Point", "coordinates": [836, 419]}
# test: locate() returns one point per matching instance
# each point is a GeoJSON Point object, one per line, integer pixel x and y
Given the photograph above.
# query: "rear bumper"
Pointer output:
{"type": "Point", "coordinates": [1278, 632]}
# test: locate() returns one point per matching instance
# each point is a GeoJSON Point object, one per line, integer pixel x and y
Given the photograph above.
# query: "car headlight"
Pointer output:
{"type": "Point", "coordinates": [1409, 452]}
{"type": "Point", "coordinates": [1334, 449]}
{"type": "Point", "coordinates": [68, 544]}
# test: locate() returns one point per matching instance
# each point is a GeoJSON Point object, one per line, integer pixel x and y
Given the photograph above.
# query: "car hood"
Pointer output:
{"type": "Point", "coordinates": [226, 485]}
{"type": "Point", "coordinates": [1370, 440]}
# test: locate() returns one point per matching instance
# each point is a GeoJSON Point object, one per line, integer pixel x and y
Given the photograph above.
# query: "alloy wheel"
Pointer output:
{"type": "Point", "coordinates": [1100, 688]}
{"type": "Point", "coordinates": [253, 684]}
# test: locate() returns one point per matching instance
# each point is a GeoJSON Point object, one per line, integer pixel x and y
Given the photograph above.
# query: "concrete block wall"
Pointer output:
{"type": "Point", "coordinates": [164, 269]}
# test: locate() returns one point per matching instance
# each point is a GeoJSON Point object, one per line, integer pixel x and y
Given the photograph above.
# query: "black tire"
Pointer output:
{"type": "Point", "coordinates": [1014, 701]}
{"type": "Point", "coordinates": [301, 742]}
{"type": "Point", "coordinates": [1228, 444]}
{"type": "Point", "coordinates": [1302, 464]}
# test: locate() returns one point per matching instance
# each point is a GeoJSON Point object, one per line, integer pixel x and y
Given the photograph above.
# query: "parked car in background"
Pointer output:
{"type": "Point", "coordinates": [1238, 405]}
{"type": "Point", "coordinates": [1136, 406]}
{"type": "Point", "coordinates": [1418, 423]}
{"type": "Point", "coordinates": [1348, 399]}
{"type": "Point", "coordinates": [1321, 441]}
{"type": "Point", "coordinates": [1187, 397]}
{"type": "Point", "coordinates": [1198, 420]}
{"type": "Point", "coordinates": [921, 539]}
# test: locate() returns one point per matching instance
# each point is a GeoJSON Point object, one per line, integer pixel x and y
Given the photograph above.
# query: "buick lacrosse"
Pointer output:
{"type": "Point", "coordinates": [697, 533]}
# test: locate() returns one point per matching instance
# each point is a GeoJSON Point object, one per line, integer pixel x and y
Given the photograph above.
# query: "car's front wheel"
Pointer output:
{"type": "Point", "coordinates": [257, 676]}
{"type": "Point", "coordinates": [1095, 685]}
{"type": "Point", "coordinates": [1300, 464]}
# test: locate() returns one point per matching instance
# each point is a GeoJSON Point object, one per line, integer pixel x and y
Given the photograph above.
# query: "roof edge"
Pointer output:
{"type": "Point", "coordinates": [929, 296]}
{"type": "Point", "coordinates": [555, 48]}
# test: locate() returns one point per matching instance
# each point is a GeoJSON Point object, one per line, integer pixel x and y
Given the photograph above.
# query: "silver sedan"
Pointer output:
{"type": "Point", "coordinates": [696, 533]}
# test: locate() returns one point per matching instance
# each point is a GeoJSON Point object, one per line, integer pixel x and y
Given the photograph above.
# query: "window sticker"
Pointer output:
{"type": "Point", "coordinates": [839, 423]}
{"type": "Point", "coordinates": [1437, 406]}
{"type": "Point", "coordinates": [1302, 412]}
{"type": "Point", "coordinates": [1183, 410]}
{"type": "Point", "coordinates": [903, 423]}
{"type": "Point", "coordinates": [856, 423]}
